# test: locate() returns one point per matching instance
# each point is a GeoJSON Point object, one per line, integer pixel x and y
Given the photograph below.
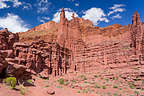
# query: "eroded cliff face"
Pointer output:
{"type": "Point", "coordinates": [137, 32]}
{"type": "Point", "coordinates": [47, 31]}
{"type": "Point", "coordinates": [114, 46]}
{"type": "Point", "coordinates": [42, 58]}
{"type": "Point", "coordinates": [7, 39]}
{"type": "Point", "coordinates": [74, 45]}
{"type": "Point", "coordinates": [51, 31]}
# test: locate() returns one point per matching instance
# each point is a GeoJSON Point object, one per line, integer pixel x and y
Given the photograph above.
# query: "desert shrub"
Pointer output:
{"type": "Point", "coordinates": [66, 82]}
{"type": "Point", "coordinates": [78, 91]}
{"type": "Point", "coordinates": [83, 77]}
{"type": "Point", "coordinates": [95, 76]}
{"type": "Point", "coordinates": [22, 91]}
{"type": "Point", "coordinates": [142, 82]}
{"type": "Point", "coordinates": [74, 81]}
{"type": "Point", "coordinates": [96, 86]}
{"type": "Point", "coordinates": [108, 94]}
{"type": "Point", "coordinates": [131, 85]}
{"type": "Point", "coordinates": [113, 78]}
{"type": "Point", "coordinates": [47, 86]}
{"type": "Point", "coordinates": [84, 91]}
{"type": "Point", "coordinates": [115, 94]}
{"type": "Point", "coordinates": [30, 81]}
{"type": "Point", "coordinates": [11, 81]}
{"type": "Point", "coordinates": [137, 93]}
{"type": "Point", "coordinates": [115, 86]}
{"type": "Point", "coordinates": [104, 87]}
{"type": "Point", "coordinates": [107, 79]}
{"type": "Point", "coordinates": [61, 81]}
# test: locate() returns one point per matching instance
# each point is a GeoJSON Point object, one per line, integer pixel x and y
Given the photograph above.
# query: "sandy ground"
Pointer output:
{"type": "Point", "coordinates": [98, 83]}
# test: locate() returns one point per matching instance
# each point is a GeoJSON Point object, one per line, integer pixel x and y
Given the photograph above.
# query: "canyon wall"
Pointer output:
{"type": "Point", "coordinates": [75, 45]}
{"type": "Point", "coordinates": [98, 51]}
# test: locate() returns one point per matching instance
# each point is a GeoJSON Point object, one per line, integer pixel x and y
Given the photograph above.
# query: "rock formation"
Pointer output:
{"type": "Point", "coordinates": [7, 39]}
{"type": "Point", "coordinates": [78, 47]}
{"type": "Point", "coordinates": [92, 52]}
{"type": "Point", "coordinates": [136, 34]}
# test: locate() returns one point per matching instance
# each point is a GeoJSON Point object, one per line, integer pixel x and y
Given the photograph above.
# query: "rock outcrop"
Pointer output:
{"type": "Point", "coordinates": [137, 33]}
{"type": "Point", "coordinates": [42, 57]}
{"type": "Point", "coordinates": [101, 50]}
{"type": "Point", "coordinates": [73, 48]}
{"type": "Point", "coordinates": [7, 39]}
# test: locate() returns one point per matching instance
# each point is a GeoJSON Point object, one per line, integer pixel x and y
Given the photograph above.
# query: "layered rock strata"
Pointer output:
{"type": "Point", "coordinates": [73, 50]}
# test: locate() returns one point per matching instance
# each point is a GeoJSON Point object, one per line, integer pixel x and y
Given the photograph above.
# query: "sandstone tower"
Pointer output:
{"type": "Point", "coordinates": [62, 29]}
{"type": "Point", "coordinates": [136, 31]}
{"type": "Point", "coordinates": [69, 36]}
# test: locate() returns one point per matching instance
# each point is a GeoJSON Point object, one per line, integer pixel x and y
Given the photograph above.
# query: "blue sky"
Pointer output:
{"type": "Point", "coordinates": [21, 15]}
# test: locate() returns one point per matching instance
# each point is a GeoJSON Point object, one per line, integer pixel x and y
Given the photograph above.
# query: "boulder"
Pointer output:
{"type": "Point", "coordinates": [50, 91]}
{"type": "Point", "coordinates": [15, 70]}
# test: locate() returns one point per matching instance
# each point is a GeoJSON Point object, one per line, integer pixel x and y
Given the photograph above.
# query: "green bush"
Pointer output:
{"type": "Point", "coordinates": [115, 86]}
{"type": "Point", "coordinates": [61, 81]}
{"type": "Point", "coordinates": [104, 87]}
{"type": "Point", "coordinates": [22, 91]}
{"type": "Point", "coordinates": [78, 91]}
{"type": "Point", "coordinates": [84, 91]}
{"type": "Point", "coordinates": [96, 86]}
{"type": "Point", "coordinates": [131, 85]}
{"type": "Point", "coordinates": [142, 82]}
{"type": "Point", "coordinates": [74, 81]}
{"type": "Point", "coordinates": [83, 77]}
{"type": "Point", "coordinates": [30, 81]}
{"type": "Point", "coordinates": [11, 81]}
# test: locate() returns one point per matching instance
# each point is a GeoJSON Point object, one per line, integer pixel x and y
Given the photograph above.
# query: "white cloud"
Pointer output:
{"type": "Point", "coordinates": [117, 16]}
{"type": "Point", "coordinates": [95, 15]}
{"type": "Point", "coordinates": [3, 3]}
{"type": "Point", "coordinates": [76, 4]}
{"type": "Point", "coordinates": [27, 6]}
{"type": "Point", "coordinates": [43, 6]}
{"type": "Point", "coordinates": [116, 8]}
{"type": "Point", "coordinates": [41, 20]}
{"type": "Point", "coordinates": [13, 22]}
{"type": "Point", "coordinates": [71, 0]}
{"type": "Point", "coordinates": [68, 13]}
{"type": "Point", "coordinates": [44, 19]}
{"type": "Point", "coordinates": [16, 3]}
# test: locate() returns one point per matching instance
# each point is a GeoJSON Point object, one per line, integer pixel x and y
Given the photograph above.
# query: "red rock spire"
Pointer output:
{"type": "Point", "coordinates": [62, 15]}
{"type": "Point", "coordinates": [136, 19]}
{"type": "Point", "coordinates": [137, 34]}
{"type": "Point", "coordinates": [73, 15]}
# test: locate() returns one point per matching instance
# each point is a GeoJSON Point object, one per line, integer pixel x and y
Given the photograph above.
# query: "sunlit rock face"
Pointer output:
{"type": "Point", "coordinates": [7, 39]}
{"type": "Point", "coordinates": [95, 47]}
{"type": "Point", "coordinates": [77, 46]}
